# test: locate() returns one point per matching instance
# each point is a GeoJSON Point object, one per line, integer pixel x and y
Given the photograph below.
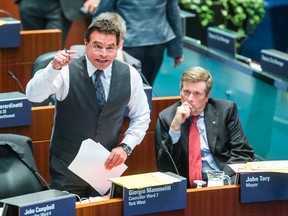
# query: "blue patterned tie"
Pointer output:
{"type": "Point", "coordinates": [99, 88]}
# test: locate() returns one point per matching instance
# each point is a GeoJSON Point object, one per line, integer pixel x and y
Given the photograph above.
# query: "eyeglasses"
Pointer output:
{"type": "Point", "coordinates": [99, 49]}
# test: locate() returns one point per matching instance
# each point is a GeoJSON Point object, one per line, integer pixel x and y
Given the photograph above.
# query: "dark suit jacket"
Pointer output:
{"type": "Point", "coordinates": [226, 139]}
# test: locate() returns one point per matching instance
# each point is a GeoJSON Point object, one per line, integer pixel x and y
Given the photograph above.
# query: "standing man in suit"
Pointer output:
{"type": "Point", "coordinates": [152, 26]}
{"type": "Point", "coordinates": [222, 139]}
{"type": "Point", "coordinates": [53, 14]}
{"type": "Point", "coordinates": [92, 94]}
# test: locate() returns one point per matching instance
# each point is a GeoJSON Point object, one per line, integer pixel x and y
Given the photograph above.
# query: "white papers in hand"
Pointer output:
{"type": "Point", "coordinates": [89, 165]}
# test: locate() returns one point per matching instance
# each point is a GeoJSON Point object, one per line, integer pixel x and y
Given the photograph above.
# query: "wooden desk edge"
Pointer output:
{"type": "Point", "coordinates": [43, 31]}
{"type": "Point", "coordinates": [223, 201]}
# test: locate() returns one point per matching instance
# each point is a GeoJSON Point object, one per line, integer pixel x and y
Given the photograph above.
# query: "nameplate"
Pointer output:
{"type": "Point", "coordinates": [153, 199]}
{"type": "Point", "coordinates": [275, 62]}
{"type": "Point", "coordinates": [15, 110]}
{"type": "Point", "coordinates": [263, 186]}
{"type": "Point", "coordinates": [44, 203]}
{"type": "Point", "coordinates": [222, 39]}
{"type": "Point", "coordinates": [9, 32]}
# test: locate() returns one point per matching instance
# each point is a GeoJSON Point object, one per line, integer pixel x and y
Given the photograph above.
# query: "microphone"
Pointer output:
{"type": "Point", "coordinates": [42, 180]}
{"type": "Point", "coordinates": [10, 73]}
{"type": "Point", "coordinates": [163, 146]}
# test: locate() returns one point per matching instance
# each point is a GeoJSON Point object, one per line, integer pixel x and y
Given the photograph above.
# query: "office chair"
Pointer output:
{"type": "Point", "coordinates": [18, 170]}
{"type": "Point", "coordinates": [41, 62]}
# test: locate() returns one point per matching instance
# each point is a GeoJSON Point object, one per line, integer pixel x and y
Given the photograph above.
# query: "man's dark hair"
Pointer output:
{"type": "Point", "coordinates": [103, 26]}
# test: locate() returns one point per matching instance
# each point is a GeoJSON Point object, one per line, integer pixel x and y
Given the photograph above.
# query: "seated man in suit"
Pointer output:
{"type": "Point", "coordinates": [221, 139]}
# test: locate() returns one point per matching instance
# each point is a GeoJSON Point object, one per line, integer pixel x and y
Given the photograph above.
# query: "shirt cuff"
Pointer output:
{"type": "Point", "coordinates": [175, 135]}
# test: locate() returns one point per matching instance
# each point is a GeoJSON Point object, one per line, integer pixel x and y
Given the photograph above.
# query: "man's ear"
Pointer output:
{"type": "Point", "coordinates": [120, 46]}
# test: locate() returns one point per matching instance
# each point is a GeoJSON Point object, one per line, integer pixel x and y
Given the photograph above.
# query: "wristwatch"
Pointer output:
{"type": "Point", "coordinates": [126, 148]}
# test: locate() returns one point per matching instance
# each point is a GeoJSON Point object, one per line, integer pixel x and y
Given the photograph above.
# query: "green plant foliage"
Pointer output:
{"type": "Point", "coordinates": [242, 15]}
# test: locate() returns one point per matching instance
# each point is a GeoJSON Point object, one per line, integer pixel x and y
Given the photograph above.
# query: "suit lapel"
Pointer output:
{"type": "Point", "coordinates": [211, 122]}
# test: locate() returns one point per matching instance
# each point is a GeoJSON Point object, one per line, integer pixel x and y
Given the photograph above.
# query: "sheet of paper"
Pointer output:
{"type": "Point", "coordinates": [89, 165]}
{"type": "Point", "coordinates": [144, 180]}
{"type": "Point", "coordinates": [274, 166]}
{"type": "Point", "coordinates": [3, 22]}
{"type": "Point", "coordinates": [261, 166]}
{"type": "Point", "coordinates": [91, 200]}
